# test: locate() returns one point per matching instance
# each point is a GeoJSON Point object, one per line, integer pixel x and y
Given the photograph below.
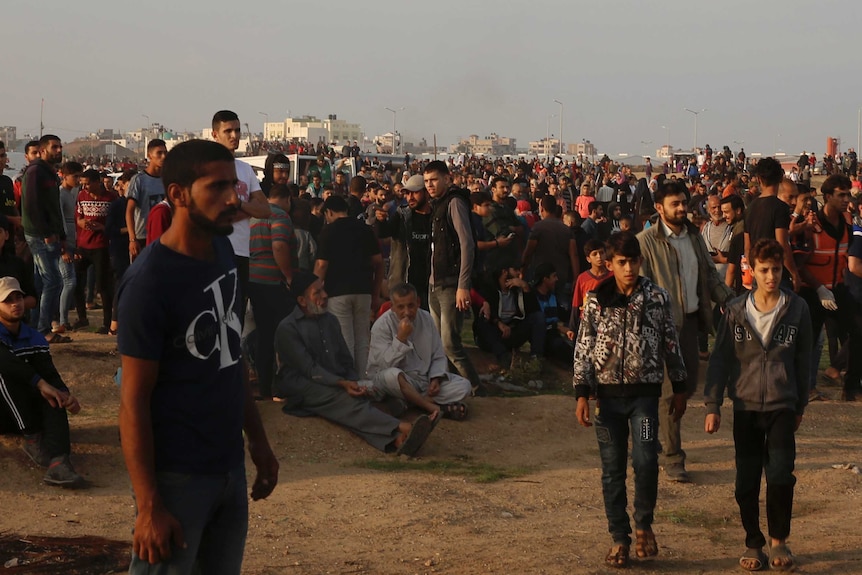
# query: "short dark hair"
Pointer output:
{"type": "Point", "coordinates": [31, 144]}
{"type": "Point", "coordinates": [279, 191]}
{"type": "Point", "coordinates": [593, 206]}
{"type": "Point", "coordinates": [497, 179]}
{"type": "Point", "coordinates": [223, 116]}
{"type": "Point", "coordinates": [127, 175]}
{"type": "Point", "coordinates": [184, 163]}
{"type": "Point", "coordinates": [480, 197]}
{"type": "Point", "coordinates": [70, 168]}
{"type": "Point", "coordinates": [593, 245]}
{"type": "Point", "coordinates": [669, 188]}
{"type": "Point", "coordinates": [438, 166]}
{"type": "Point", "coordinates": [92, 175]}
{"type": "Point", "coordinates": [623, 244]}
{"type": "Point", "coordinates": [735, 202]}
{"type": "Point", "coordinates": [403, 289]}
{"type": "Point", "coordinates": [335, 204]}
{"type": "Point", "coordinates": [156, 143]}
{"type": "Point", "coordinates": [835, 182]}
{"type": "Point", "coordinates": [768, 171]}
{"type": "Point", "coordinates": [766, 249]}
{"type": "Point", "coordinates": [358, 185]}
{"type": "Point", "coordinates": [2, 145]}
{"type": "Point", "coordinates": [549, 204]}
{"type": "Point", "coordinates": [47, 139]}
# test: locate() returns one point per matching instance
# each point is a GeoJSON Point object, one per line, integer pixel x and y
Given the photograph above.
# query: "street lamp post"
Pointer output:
{"type": "Point", "coordinates": [394, 129]}
{"type": "Point", "coordinates": [548, 137]}
{"type": "Point", "coordinates": [696, 114]}
{"type": "Point", "coordinates": [561, 125]}
{"type": "Point", "coordinates": [646, 146]}
{"type": "Point", "coordinates": [145, 131]}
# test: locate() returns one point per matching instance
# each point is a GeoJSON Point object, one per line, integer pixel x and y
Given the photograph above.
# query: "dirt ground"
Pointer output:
{"type": "Point", "coordinates": [335, 512]}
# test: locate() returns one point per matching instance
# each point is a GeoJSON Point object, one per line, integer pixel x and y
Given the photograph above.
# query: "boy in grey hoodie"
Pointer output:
{"type": "Point", "coordinates": [761, 357]}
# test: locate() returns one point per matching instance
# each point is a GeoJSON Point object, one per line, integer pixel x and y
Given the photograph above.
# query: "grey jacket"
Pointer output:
{"type": "Point", "coordinates": [758, 377]}
{"type": "Point", "coordinates": [661, 265]}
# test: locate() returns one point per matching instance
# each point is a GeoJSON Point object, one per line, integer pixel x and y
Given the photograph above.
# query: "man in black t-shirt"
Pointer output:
{"type": "Point", "coordinates": [8, 205]}
{"type": "Point", "coordinates": [351, 266]}
{"type": "Point", "coordinates": [768, 217]}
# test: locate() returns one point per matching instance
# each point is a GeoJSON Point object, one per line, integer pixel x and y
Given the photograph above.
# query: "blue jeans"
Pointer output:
{"type": "Point", "coordinates": [614, 418]}
{"type": "Point", "coordinates": [213, 512]}
{"type": "Point", "coordinates": [46, 259]}
{"type": "Point", "coordinates": [67, 295]}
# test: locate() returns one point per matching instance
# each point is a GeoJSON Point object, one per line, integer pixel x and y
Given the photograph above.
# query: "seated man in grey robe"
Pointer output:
{"type": "Point", "coordinates": [407, 360]}
{"type": "Point", "coordinates": [316, 375]}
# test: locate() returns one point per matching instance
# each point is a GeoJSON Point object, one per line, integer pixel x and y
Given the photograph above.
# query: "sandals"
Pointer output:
{"type": "Point", "coordinates": [456, 411]}
{"type": "Point", "coordinates": [422, 428]}
{"type": "Point", "coordinates": [57, 338]}
{"type": "Point", "coordinates": [754, 559]}
{"type": "Point", "coordinates": [645, 545]}
{"type": "Point", "coordinates": [618, 556]}
{"type": "Point", "coordinates": [780, 558]}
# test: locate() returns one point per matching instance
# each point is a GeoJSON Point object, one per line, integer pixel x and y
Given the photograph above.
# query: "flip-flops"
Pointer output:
{"type": "Point", "coordinates": [420, 431]}
{"type": "Point", "coordinates": [456, 411]}
{"type": "Point", "coordinates": [781, 553]}
{"type": "Point", "coordinates": [755, 554]}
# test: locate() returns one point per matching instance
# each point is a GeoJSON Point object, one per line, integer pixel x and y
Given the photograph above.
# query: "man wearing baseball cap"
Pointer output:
{"type": "Point", "coordinates": [33, 397]}
{"type": "Point", "coordinates": [410, 230]}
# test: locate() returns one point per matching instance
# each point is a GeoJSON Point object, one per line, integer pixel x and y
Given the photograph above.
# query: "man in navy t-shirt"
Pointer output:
{"type": "Point", "coordinates": [184, 406]}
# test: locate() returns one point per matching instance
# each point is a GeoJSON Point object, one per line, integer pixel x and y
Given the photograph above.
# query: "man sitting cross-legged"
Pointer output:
{"type": "Point", "coordinates": [407, 360]}
{"type": "Point", "coordinates": [316, 374]}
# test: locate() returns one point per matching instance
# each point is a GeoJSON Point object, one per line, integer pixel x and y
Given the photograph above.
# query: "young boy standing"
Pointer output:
{"type": "Point", "coordinates": [588, 280]}
{"type": "Point", "coordinates": [761, 357]}
{"type": "Point", "coordinates": [624, 368]}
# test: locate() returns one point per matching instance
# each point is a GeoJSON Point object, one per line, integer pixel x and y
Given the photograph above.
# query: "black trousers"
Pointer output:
{"type": "Point", "coordinates": [270, 304]}
{"type": "Point", "coordinates": [845, 319]}
{"type": "Point", "coordinates": [765, 441]}
{"type": "Point", "coordinates": [101, 263]}
{"type": "Point", "coordinates": [24, 410]}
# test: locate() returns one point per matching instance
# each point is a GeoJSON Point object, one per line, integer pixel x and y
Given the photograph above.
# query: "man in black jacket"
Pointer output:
{"type": "Point", "coordinates": [452, 252]}
{"type": "Point", "coordinates": [43, 228]}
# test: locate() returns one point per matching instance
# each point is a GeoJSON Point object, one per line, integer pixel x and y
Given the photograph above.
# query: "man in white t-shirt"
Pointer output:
{"type": "Point", "coordinates": [252, 201]}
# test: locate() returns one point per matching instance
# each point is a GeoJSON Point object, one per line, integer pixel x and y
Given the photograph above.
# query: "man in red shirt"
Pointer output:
{"type": "Point", "coordinates": [93, 204]}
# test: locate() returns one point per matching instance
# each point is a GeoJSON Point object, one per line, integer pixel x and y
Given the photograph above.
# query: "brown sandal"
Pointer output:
{"type": "Point", "coordinates": [618, 556]}
{"type": "Point", "coordinates": [645, 545]}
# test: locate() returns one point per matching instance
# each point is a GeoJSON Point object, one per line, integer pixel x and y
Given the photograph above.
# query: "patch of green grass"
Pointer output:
{"type": "Point", "coordinates": [692, 517]}
{"type": "Point", "coordinates": [478, 472]}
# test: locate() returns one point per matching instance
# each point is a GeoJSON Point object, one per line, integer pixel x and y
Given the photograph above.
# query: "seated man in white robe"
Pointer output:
{"type": "Point", "coordinates": [407, 360]}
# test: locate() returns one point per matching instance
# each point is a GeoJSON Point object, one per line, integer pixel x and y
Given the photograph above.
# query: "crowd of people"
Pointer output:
{"type": "Point", "coordinates": [344, 297]}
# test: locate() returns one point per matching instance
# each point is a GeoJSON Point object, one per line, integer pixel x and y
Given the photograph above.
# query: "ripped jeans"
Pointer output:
{"type": "Point", "coordinates": [615, 419]}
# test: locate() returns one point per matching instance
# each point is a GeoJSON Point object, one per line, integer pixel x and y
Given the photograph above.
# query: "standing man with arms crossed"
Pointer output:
{"type": "Point", "coordinates": [452, 251]}
{"type": "Point", "coordinates": [184, 404]}
{"type": "Point", "coordinates": [145, 191]}
{"type": "Point", "coordinates": [252, 203]}
{"type": "Point", "coordinates": [675, 257]}
{"type": "Point", "coordinates": [44, 231]}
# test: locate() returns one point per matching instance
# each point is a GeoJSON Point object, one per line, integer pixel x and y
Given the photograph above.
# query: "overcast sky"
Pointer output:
{"type": "Point", "coordinates": [773, 74]}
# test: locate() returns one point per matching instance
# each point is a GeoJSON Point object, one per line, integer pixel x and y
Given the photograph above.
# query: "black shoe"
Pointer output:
{"type": "Point", "coordinates": [33, 449]}
{"type": "Point", "coordinates": [105, 331]}
{"type": "Point", "coordinates": [62, 474]}
{"type": "Point", "coordinates": [676, 472]}
{"type": "Point", "coordinates": [81, 323]}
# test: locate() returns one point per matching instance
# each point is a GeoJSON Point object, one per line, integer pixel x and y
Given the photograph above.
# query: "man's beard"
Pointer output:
{"type": "Point", "coordinates": [208, 225]}
{"type": "Point", "coordinates": [315, 309]}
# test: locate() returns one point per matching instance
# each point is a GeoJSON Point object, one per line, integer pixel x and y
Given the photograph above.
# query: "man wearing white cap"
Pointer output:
{"type": "Point", "coordinates": [410, 230]}
{"type": "Point", "coordinates": [33, 397]}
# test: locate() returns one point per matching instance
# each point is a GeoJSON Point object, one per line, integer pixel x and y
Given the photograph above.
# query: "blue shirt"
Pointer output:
{"type": "Point", "coordinates": [184, 313]}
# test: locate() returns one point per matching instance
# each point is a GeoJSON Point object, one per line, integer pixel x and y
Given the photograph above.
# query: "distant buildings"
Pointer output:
{"type": "Point", "coordinates": [548, 146]}
{"type": "Point", "coordinates": [492, 145]}
{"type": "Point", "coordinates": [313, 129]}
{"type": "Point", "coordinates": [8, 134]}
{"type": "Point", "coordinates": [586, 148]}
